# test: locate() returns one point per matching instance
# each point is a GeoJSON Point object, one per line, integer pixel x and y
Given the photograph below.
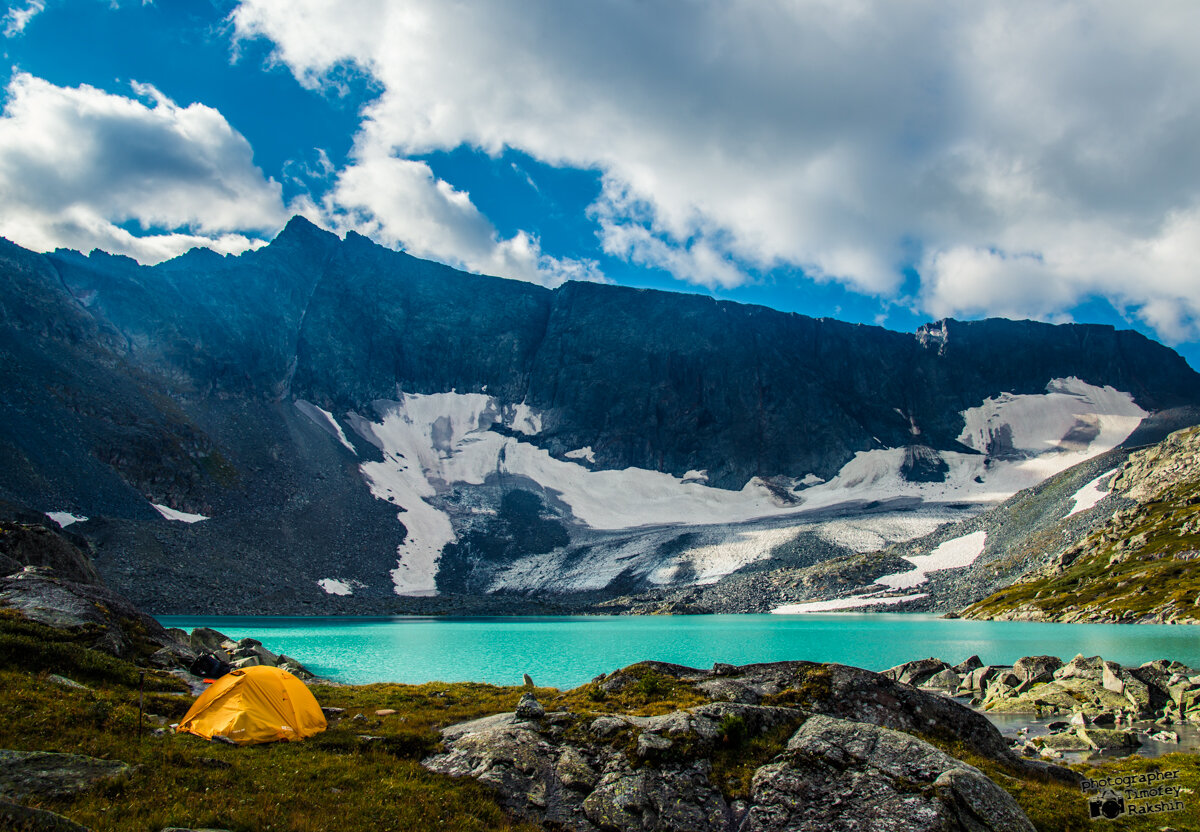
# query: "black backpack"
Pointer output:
{"type": "Point", "coordinates": [209, 666]}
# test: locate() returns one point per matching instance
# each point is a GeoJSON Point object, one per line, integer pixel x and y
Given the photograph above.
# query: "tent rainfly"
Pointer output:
{"type": "Point", "coordinates": [253, 705]}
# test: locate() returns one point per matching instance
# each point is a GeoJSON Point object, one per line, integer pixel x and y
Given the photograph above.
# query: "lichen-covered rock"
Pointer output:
{"type": "Point", "coordinates": [42, 596]}
{"type": "Point", "coordinates": [840, 775]}
{"type": "Point", "coordinates": [17, 818]}
{"type": "Point", "coordinates": [25, 774]}
{"type": "Point", "coordinates": [1035, 667]}
{"type": "Point", "coordinates": [530, 708]}
{"type": "Point", "coordinates": [945, 680]}
{"type": "Point", "coordinates": [1082, 667]}
{"type": "Point", "coordinates": [676, 797]}
{"type": "Point", "coordinates": [847, 770]}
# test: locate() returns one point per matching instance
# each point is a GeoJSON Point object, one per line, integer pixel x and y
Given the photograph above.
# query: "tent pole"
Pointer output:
{"type": "Point", "coordinates": [141, 701]}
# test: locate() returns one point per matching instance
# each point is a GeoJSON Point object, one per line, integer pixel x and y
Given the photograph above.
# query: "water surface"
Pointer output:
{"type": "Point", "coordinates": [567, 651]}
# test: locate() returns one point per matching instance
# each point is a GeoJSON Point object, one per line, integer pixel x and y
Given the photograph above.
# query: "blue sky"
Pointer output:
{"type": "Point", "coordinates": [876, 162]}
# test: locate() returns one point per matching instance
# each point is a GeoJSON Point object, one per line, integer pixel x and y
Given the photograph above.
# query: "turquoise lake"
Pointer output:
{"type": "Point", "coordinates": [567, 651]}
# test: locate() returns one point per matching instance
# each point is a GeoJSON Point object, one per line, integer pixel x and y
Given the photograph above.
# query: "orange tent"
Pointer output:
{"type": "Point", "coordinates": [255, 704]}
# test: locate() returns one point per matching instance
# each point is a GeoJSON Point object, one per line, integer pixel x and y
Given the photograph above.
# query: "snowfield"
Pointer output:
{"type": "Point", "coordinates": [65, 518]}
{"type": "Point", "coordinates": [841, 604]}
{"type": "Point", "coordinates": [1090, 494]}
{"type": "Point", "coordinates": [952, 554]}
{"type": "Point", "coordinates": [332, 586]}
{"type": "Point", "coordinates": [180, 516]}
{"type": "Point", "coordinates": [433, 442]}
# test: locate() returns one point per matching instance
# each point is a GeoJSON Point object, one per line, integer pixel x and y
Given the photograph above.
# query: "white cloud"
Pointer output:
{"type": "Point", "coordinates": [397, 201]}
{"type": "Point", "coordinates": [1028, 155]}
{"type": "Point", "coordinates": [79, 167]}
{"type": "Point", "coordinates": [18, 17]}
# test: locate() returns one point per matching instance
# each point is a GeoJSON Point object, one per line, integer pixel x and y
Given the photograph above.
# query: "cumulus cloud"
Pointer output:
{"type": "Point", "coordinates": [80, 168]}
{"type": "Point", "coordinates": [399, 202]}
{"type": "Point", "coordinates": [18, 17]}
{"type": "Point", "coordinates": [1023, 156]}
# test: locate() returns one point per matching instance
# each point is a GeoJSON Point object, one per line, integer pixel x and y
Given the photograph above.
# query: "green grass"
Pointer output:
{"type": "Point", "coordinates": [1161, 574]}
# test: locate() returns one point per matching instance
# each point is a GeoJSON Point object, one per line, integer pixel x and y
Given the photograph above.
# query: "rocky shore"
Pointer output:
{"type": "Point", "coordinates": [818, 747]}
{"type": "Point", "coordinates": [1105, 707]}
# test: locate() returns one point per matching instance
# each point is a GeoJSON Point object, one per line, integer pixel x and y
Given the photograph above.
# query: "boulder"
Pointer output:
{"type": "Point", "coordinates": [849, 757]}
{"type": "Point", "coordinates": [1030, 668]}
{"type": "Point", "coordinates": [980, 676]}
{"type": "Point", "coordinates": [914, 673]}
{"type": "Point", "coordinates": [1082, 668]}
{"type": "Point", "coordinates": [32, 544]}
{"type": "Point", "coordinates": [945, 680]}
{"type": "Point", "coordinates": [845, 775]}
{"type": "Point", "coordinates": [39, 595]}
{"type": "Point", "coordinates": [206, 640]}
{"type": "Point", "coordinates": [39, 774]}
{"type": "Point", "coordinates": [675, 798]}
{"type": "Point", "coordinates": [18, 818]}
{"type": "Point", "coordinates": [530, 708]}
{"type": "Point", "coordinates": [968, 665]}
{"type": "Point", "coordinates": [1065, 741]}
{"type": "Point", "coordinates": [64, 682]}
{"type": "Point", "coordinates": [250, 653]}
{"type": "Point", "coordinates": [1102, 739]}
{"type": "Point", "coordinates": [1119, 680]}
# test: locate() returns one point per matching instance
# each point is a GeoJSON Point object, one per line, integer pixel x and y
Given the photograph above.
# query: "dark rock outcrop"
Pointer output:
{"type": "Point", "coordinates": [39, 595]}
{"type": "Point", "coordinates": [844, 775]}
{"type": "Point", "coordinates": [849, 759]}
{"type": "Point", "coordinates": [26, 774]}
{"type": "Point", "coordinates": [26, 544]}
{"type": "Point", "coordinates": [17, 818]}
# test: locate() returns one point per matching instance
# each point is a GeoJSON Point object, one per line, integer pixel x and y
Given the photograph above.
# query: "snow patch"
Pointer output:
{"type": "Point", "coordinates": [325, 420]}
{"type": "Point", "coordinates": [1090, 494]}
{"type": "Point", "coordinates": [585, 452]}
{"type": "Point", "coordinates": [810, 480]}
{"type": "Point", "coordinates": [697, 476]}
{"type": "Point", "coordinates": [524, 420]}
{"type": "Point", "coordinates": [1022, 440]}
{"type": "Point", "coordinates": [1071, 416]}
{"type": "Point", "coordinates": [837, 604]}
{"type": "Point", "coordinates": [952, 554]}
{"type": "Point", "coordinates": [332, 586]}
{"type": "Point", "coordinates": [65, 518]}
{"type": "Point", "coordinates": [181, 516]}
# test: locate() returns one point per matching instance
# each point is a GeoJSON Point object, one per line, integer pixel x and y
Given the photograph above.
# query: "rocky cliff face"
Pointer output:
{"type": "Point", "coordinates": [330, 407]}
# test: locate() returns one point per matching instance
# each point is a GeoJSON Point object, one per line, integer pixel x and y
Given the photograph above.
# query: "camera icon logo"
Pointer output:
{"type": "Point", "coordinates": [1107, 804]}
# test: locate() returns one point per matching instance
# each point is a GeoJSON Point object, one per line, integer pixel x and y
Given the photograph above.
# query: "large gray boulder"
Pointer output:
{"type": "Point", "coordinates": [33, 544]}
{"type": "Point", "coordinates": [914, 673]}
{"type": "Point", "coordinates": [41, 594]}
{"type": "Point", "coordinates": [1034, 668]}
{"type": "Point", "coordinates": [841, 775]}
{"type": "Point", "coordinates": [26, 774]}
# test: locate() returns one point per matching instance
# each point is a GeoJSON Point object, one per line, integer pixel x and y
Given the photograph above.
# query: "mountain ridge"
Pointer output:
{"type": "Point", "coordinates": [183, 385]}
